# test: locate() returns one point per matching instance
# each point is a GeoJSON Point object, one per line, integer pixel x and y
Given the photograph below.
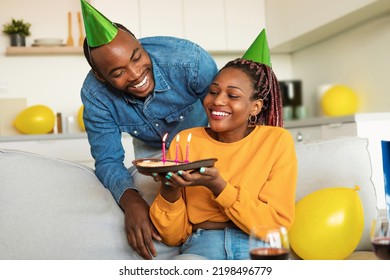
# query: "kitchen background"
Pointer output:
{"type": "Point", "coordinates": [317, 42]}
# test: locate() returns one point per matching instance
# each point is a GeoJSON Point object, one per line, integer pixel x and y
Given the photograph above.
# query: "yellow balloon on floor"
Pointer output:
{"type": "Point", "coordinates": [80, 118]}
{"type": "Point", "coordinates": [328, 224]}
{"type": "Point", "coordinates": [339, 100]}
{"type": "Point", "coordinates": [37, 119]}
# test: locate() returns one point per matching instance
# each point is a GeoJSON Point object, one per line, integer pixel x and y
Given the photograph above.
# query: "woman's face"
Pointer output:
{"type": "Point", "coordinates": [228, 104]}
{"type": "Point", "coordinates": [125, 65]}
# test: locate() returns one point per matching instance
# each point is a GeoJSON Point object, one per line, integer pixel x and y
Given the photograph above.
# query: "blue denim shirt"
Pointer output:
{"type": "Point", "coordinates": [183, 72]}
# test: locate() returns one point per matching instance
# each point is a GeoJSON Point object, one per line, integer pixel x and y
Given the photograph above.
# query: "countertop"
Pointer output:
{"type": "Point", "coordinates": [33, 137]}
{"type": "Point", "coordinates": [314, 121]}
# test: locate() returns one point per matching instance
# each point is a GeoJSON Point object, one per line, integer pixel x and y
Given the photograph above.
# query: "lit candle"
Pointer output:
{"type": "Point", "coordinates": [177, 148]}
{"type": "Point", "coordinates": [164, 159]}
{"type": "Point", "coordinates": [187, 147]}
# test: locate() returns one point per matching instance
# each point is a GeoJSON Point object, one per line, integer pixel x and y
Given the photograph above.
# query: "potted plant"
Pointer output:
{"type": "Point", "coordinates": [18, 30]}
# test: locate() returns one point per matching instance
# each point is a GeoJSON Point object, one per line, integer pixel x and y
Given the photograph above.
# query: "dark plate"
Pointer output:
{"type": "Point", "coordinates": [209, 162]}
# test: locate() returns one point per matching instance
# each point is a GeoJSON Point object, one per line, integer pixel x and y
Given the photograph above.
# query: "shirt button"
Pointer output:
{"type": "Point", "coordinates": [181, 117]}
{"type": "Point", "coordinates": [135, 132]}
{"type": "Point", "coordinates": [156, 124]}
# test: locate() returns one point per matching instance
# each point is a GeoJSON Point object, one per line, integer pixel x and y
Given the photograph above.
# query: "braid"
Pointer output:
{"type": "Point", "coordinates": [266, 87]}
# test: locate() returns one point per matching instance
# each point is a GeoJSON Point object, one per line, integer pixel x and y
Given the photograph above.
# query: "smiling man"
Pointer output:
{"type": "Point", "coordinates": [146, 88]}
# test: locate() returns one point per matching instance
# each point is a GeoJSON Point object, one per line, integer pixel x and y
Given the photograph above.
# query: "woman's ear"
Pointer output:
{"type": "Point", "coordinates": [257, 105]}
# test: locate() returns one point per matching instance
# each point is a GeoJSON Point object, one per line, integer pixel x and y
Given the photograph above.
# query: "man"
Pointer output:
{"type": "Point", "coordinates": [145, 88]}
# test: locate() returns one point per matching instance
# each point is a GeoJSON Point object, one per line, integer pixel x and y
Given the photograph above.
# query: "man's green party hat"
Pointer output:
{"type": "Point", "coordinates": [98, 29]}
{"type": "Point", "coordinates": [259, 50]}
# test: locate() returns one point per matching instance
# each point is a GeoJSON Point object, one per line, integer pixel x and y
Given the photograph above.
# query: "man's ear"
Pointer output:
{"type": "Point", "coordinates": [99, 76]}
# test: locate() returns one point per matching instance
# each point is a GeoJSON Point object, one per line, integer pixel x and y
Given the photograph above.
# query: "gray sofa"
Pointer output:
{"type": "Point", "coordinates": [55, 209]}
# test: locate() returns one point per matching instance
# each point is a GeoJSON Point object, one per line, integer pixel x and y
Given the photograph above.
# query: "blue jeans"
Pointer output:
{"type": "Point", "coordinates": [220, 244]}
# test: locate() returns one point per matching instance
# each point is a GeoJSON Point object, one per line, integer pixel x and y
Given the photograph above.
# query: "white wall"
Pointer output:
{"type": "Point", "coordinates": [358, 58]}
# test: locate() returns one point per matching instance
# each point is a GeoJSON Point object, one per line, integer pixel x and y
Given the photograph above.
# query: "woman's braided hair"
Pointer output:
{"type": "Point", "coordinates": [265, 86]}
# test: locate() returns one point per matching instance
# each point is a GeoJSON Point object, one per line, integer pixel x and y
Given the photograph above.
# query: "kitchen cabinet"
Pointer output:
{"type": "Point", "coordinates": [204, 23]}
{"type": "Point", "coordinates": [293, 25]}
{"type": "Point", "coordinates": [72, 147]}
{"type": "Point", "coordinates": [373, 126]}
{"type": "Point", "coordinates": [220, 26]}
{"type": "Point", "coordinates": [126, 12]}
{"type": "Point", "coordinates": [154, 22]}
{"type": "Point", "coordinates": [244, 21]}
{"type": "Point", "coordinates": [216, 25]}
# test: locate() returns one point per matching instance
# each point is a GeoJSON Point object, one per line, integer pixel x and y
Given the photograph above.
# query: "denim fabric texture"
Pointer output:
{"type": "Point", "coordinates": [221, 244]}
{"type": "Point", "coordinates": [182, 72]}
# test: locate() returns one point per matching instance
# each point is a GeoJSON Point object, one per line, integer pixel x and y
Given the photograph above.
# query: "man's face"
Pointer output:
{"type": "Point", "coordinates": [125, 65]}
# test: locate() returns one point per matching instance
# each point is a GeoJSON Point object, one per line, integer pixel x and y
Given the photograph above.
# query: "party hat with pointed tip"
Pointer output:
{"type": "Point", "coordinates": [98, 29]}
{"type": "Point", "coordinates": [259, 50]}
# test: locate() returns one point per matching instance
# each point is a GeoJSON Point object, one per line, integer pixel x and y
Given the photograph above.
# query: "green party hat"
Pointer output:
{"type": "Point", "coordinates": [259, 50]}
{"type": "Point", "coordinates": [98, 29]}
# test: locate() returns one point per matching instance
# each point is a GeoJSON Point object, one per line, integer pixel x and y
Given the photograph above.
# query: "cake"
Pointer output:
{"type": "Point", "coordinates": [152, 163]}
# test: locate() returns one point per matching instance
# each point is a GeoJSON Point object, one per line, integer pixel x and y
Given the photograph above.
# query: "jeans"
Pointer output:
{"type": "Point", "coordinates": [220, 244]}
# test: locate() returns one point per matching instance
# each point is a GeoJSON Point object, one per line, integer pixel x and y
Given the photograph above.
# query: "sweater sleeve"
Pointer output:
{"type": "Point", "coordinates": [275, 203]}
{"type": "Point", "coordinates": [170, 220]}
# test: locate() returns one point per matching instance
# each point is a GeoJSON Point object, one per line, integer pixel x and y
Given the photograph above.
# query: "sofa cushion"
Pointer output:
{"type": "Point", "coordinates": [54, 209]}
{"type": "Point", "coordinates": [338, 162]}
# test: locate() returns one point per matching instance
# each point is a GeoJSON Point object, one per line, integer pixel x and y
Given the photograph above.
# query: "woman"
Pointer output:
{"type": "Point", "coordinates": [210, 212]}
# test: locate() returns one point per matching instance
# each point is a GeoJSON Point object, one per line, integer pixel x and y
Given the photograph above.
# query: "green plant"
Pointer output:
{"type": "Point", "coordinates": [17, 27]}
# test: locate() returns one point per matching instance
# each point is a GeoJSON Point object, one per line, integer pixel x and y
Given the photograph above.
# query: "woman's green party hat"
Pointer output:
{"type": "Point", "coordinates": [98, 29]}
{"type": "Point", "coordinates": [259, 50]}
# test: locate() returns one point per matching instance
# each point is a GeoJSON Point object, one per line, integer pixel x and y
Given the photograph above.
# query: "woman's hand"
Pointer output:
{"type": "Point", "coordinates": [208, 177]}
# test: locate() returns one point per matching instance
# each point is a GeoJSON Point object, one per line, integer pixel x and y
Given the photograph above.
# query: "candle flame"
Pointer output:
{"type": "Point", "coordinates": [189, 138]}
{"type": "Point", "coordinates": [165, 137]}
{"type": "Point", "coordinates": [177, 138]}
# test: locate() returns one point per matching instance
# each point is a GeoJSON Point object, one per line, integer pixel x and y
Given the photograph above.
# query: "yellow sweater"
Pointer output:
{"type": "Point", "coordinates": [260, 171]}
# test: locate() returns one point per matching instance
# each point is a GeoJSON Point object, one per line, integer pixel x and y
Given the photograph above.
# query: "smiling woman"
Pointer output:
{"type": "Point", "coordinates": [243, 106]}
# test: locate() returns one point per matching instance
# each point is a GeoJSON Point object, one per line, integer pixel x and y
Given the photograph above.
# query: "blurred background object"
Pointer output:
{"type": "Point", "coordinates": [292, 99]}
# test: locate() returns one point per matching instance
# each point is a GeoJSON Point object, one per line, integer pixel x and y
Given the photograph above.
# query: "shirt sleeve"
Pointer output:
{"type": "Point", "coordinates": [205, 74]}
{"type": "Point", "coordinates": [105, 140]}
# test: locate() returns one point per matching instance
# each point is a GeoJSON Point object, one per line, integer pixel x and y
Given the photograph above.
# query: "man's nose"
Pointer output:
{"type": "Point", "coordinates": [133, 73]}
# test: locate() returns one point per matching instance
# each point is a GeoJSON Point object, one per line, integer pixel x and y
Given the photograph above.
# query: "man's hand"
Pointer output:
{"type": "Point", "coordinates": [140, 230]}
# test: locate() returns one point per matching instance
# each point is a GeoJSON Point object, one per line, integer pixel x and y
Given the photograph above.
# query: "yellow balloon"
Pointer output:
{"type": "Point", "coordinates": [339, 100]}
{"type": "Point", "coordinates": [80, 118]}
{"type": "Point", "coordinates": [38, 119]}
{"type": "Point", "coordinates": [328, 224]}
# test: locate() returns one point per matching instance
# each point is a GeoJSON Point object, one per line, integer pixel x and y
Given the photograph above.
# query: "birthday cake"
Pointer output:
{"type": "Point", "coordinates": [150, 163]}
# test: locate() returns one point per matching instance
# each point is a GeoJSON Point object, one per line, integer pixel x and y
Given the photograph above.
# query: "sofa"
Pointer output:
{"type": "Point", "coordinates": [56, 209]}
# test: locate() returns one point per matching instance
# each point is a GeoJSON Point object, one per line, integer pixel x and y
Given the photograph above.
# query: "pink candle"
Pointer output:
{"type": "Point", "coordinates": [164, 159]}
{"type": "Point", "coordinates": [187, 147]}
{"type": "Point", "coordinates": [177, 148]}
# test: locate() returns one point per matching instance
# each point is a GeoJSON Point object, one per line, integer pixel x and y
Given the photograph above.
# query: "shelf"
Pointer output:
{"type": "Point", "coordinates": [41, 50]}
